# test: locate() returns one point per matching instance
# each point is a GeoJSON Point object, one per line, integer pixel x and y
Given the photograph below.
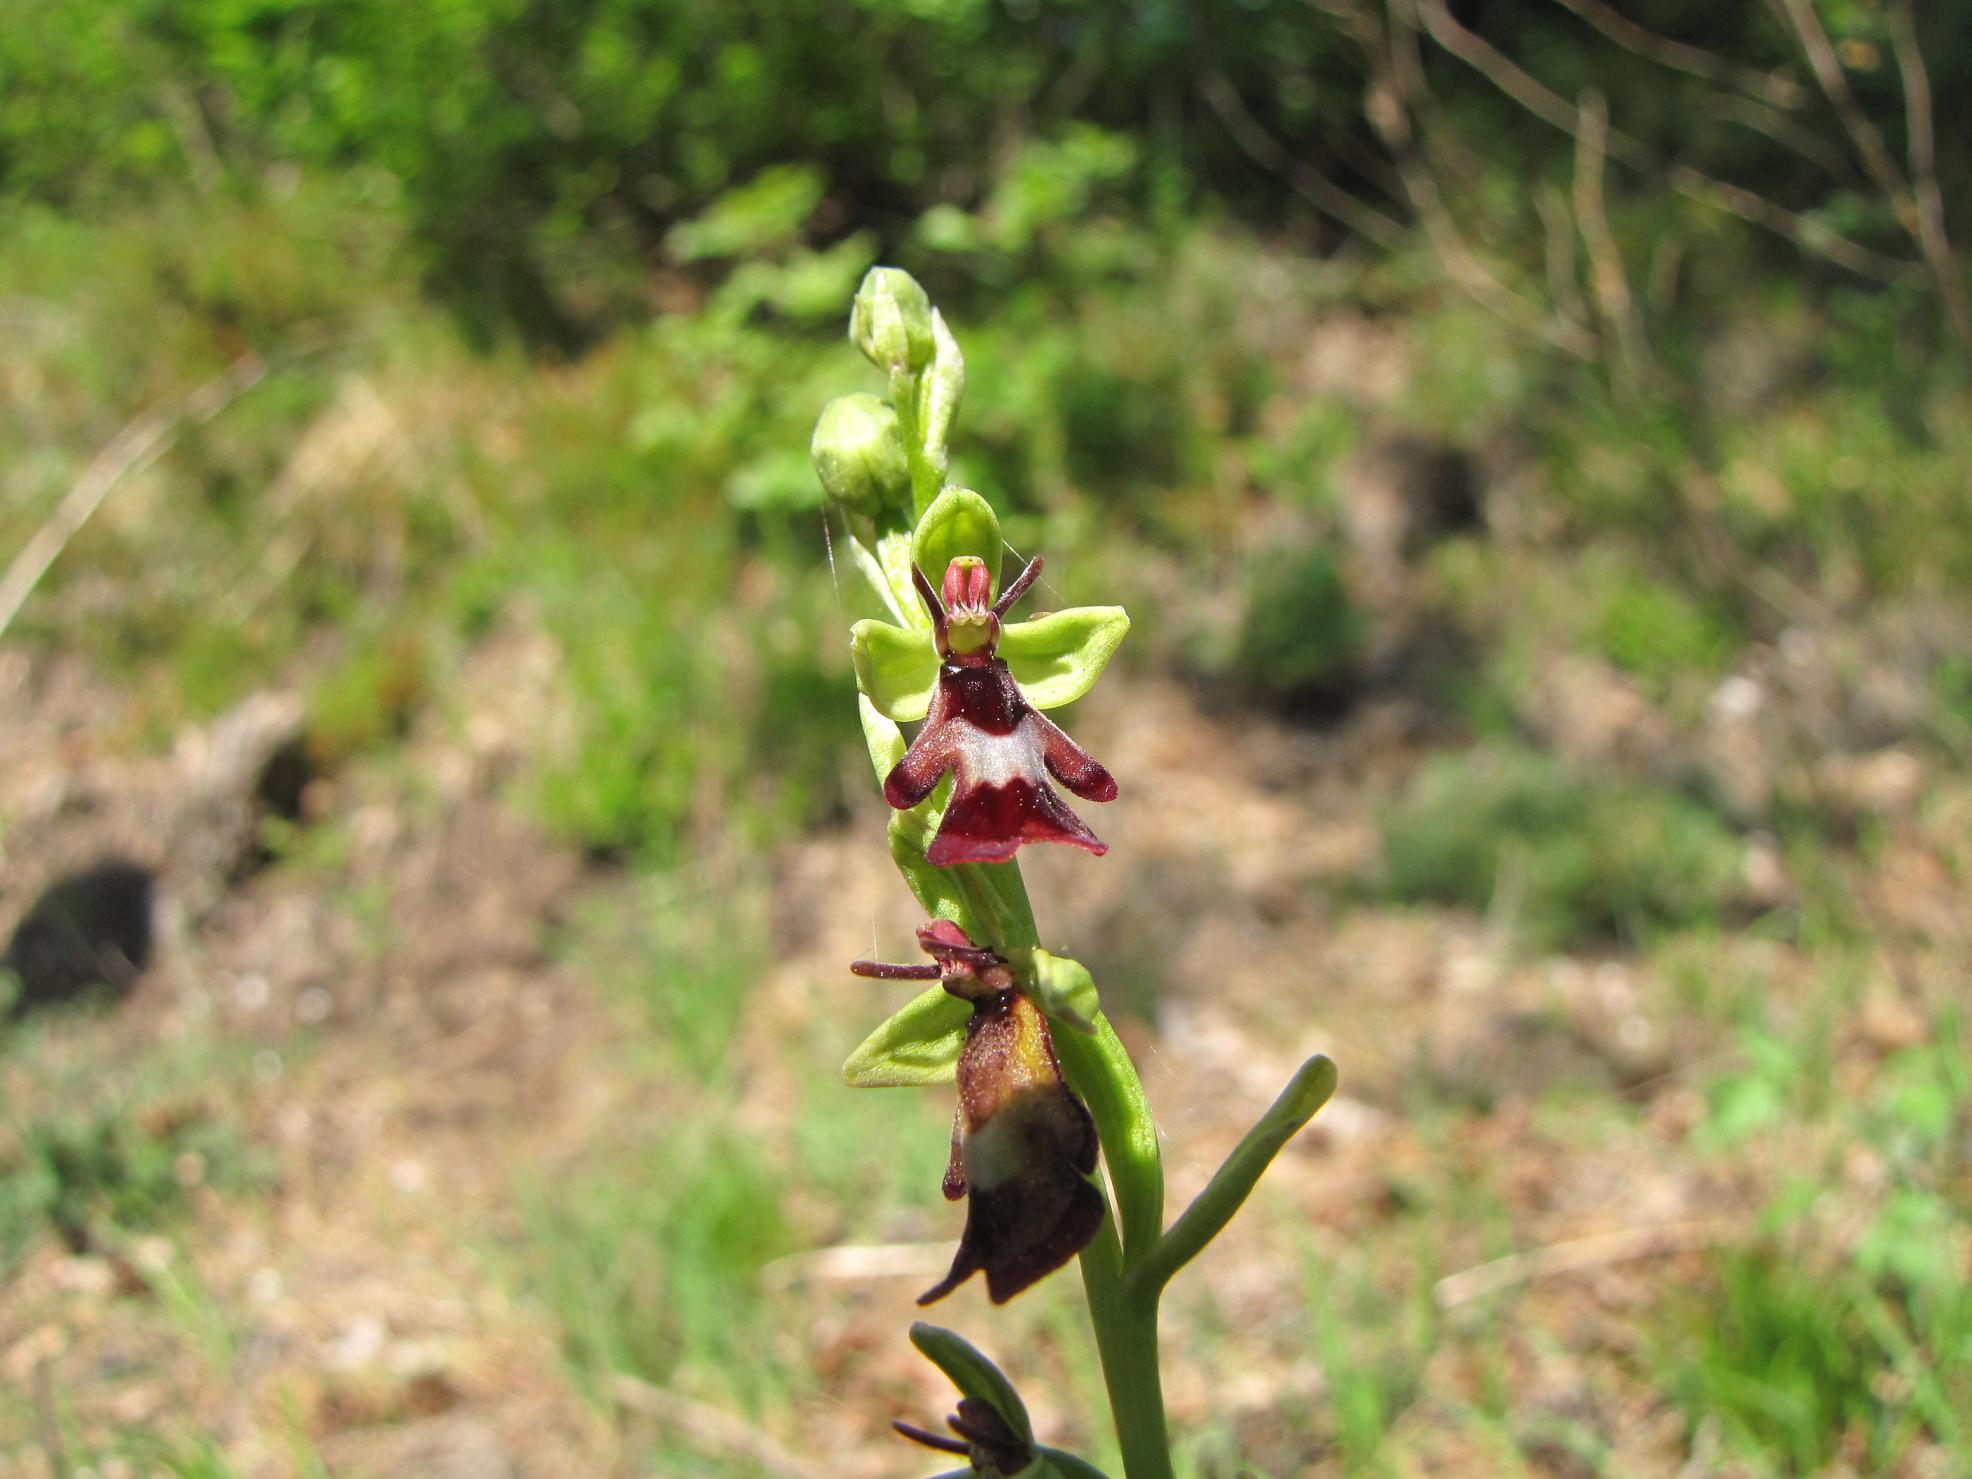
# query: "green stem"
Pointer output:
{"type": "Point", "coordinates": [1126, 1339]}
{"type": "Point", "coordinates": [1099, 1070]}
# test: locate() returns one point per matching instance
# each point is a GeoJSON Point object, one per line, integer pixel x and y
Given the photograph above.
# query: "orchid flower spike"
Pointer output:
{"type": "Point", "coordinates": [1000, 749]}
{"type": "Point", "coordinates": [1023, 1146]}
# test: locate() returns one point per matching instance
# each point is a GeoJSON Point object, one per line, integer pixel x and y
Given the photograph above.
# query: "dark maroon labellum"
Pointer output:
{"type": "Point", "coordinates": [1023, 1146]}
{"type": "Point", "coordinates": [1000, 749]}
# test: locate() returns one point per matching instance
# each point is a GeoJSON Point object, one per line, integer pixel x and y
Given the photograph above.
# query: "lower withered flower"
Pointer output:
{"type": "Point", "coordinates": [1023, 1146]}
{"type": "Point", "coordinates": [1000, 749]}
{"type": "Point", "coordinates": [983, 1438]}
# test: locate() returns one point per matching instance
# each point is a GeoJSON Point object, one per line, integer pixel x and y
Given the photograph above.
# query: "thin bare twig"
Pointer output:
{"type": "Point", "coordinates": [139, 444]}
{"type": "Point", "coordinates": [1578, 1255]}
{"type": "Point", "coordinates": [1800, 16]}
{"type": "Point", "coordinates": [1479, 282]}
{"type": "Point", "coordinates": [1681, 56]}
{"type": "Point", "coordinates": [1608, 277]}
{"type": "Point", "coordinates": [1558, 227]}
{"type": "Point", "coordinates": [1519, 84]}
{"type": "Point", "coordinates": [1398, 92]}
{"type": "Point", "coordinates": [1770, 123]}
{"type": "Point", "coordinates": [1551, 108]}
{"type": "Point", "coordinates": [1804, 231]}
{"type": "Point", "coordinates": [1307, 181]}
{"type": "Point", "coordinates": [1921, 132]}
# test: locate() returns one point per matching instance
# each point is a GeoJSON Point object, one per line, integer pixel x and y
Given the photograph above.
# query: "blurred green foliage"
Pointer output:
{"type": "Point", "coordinates": [1564, 857]}
{"type": "Point", "coordinates": [551, 294]}
{"type": "Point", "coordinates": [92, 1179]}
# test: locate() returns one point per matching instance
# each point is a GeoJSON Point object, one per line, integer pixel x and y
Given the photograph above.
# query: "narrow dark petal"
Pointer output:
{"type": "Point", "coordinates": [928, 595]}
{"type": "Point", "coordinates": [1019, 588]}
{"type": "Point", "coordinates": [937, 1441]}
{"type": "Point", "coordinates": [879, 970]}
{"type": "Point", "coordinates": [917, 775]}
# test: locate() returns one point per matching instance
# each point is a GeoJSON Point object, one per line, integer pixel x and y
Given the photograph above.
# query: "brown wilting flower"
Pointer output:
{"type": "Point", "coordinates": [1023, 1146]}
{"type": "Point", "coordinates": [1000, 748]}
{"type": "Point", "coordinates": [984, 1439]}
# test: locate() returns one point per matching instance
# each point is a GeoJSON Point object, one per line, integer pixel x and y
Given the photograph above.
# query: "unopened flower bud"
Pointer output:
{"type": "Point", "coordinates": [891, 321]}
{"type": "Point", "coordinates": [858, 450]}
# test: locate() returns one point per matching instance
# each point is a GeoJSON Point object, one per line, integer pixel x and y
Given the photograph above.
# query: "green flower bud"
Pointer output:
{"type": "Point", "coordinates": [858, 451]}
{"type": "Point", "coordinates": [891, 321]}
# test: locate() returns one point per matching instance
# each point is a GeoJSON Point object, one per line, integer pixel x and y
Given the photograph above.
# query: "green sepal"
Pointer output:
{"type": "Point", "coordinates": [884, 739]}
{"type": "Point", "coordinates": [897, 669]}
{"type": "Point", "coordinates": [959, 522]}
{"type": "Point", "coordinates": [915, 1046]}
{"type": "Point", "coordinates": [1064, 988]}
{"type": "Point", "coordinates": [973, 1374]}
{"type": "Point", "coordinates": [1058, 657]}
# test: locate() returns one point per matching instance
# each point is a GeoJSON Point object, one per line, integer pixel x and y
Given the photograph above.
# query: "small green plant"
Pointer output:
{"type": "Point", "coordinates": [1048, 1099]}
{"type": "Point", "coordinates": [1569, 860]}
{"type": "Point", "coordinates": [91, 1178]}
{"type": "Point", "coordinates": [653, 1269]}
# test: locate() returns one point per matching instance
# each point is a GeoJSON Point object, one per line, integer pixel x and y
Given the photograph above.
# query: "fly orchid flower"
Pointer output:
{"type": "Point", "coordinates": [1023, 1146]}
{"type": "Point", "coordinates": [980, 726]}
{"type": "Point", "coordinates": [984, 1439]}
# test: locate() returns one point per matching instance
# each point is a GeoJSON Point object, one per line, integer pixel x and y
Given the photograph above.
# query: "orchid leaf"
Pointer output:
{"type": "Point", "coordinates": [1058, 657]}
{"type": "Point", "coordinates": [959, 522]}
{"type": "Point", "coordinates": [973, 1374]}
{"type": "Point", "coordinates": [917, 1045]}
{"type": "Point", "coordinates": [1310, 1088]}
{"type": "Point", "coordinates": [896, 669]}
